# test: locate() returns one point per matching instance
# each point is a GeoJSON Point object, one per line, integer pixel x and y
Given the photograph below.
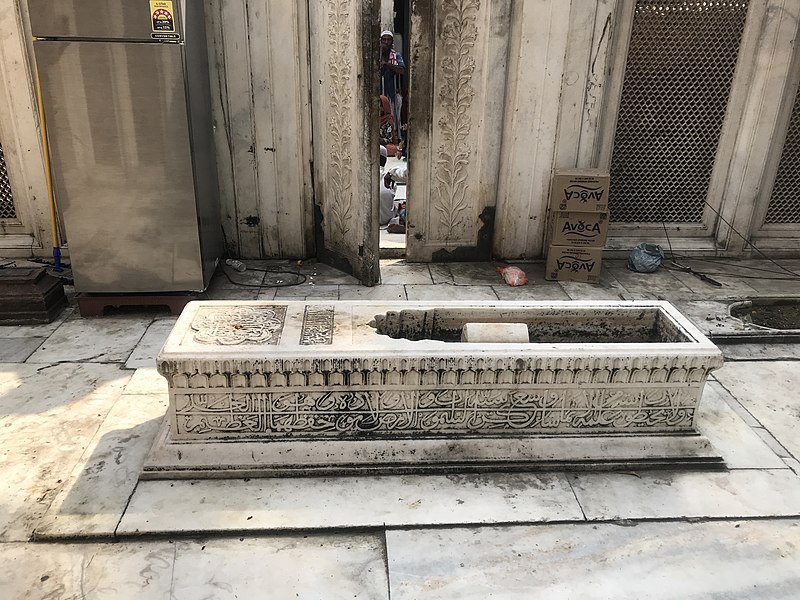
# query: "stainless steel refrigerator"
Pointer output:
{"type": "Point", "coordinates": [127, 105]}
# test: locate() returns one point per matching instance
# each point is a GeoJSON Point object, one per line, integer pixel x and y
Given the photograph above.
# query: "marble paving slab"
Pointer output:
{"type": "Point", "coordinates": [346, 502]}
{"type": "Point", "coordinates": [732, 285]}
{"type": "Point", "coordinates": [405, 274]}
{"type": "Point", "coordinates": [146, 381]}
{"type": "Point", "coordinates": [240, 293]}
{"type": "Point", "coordinates": [709, 316]}
{"type": "Point", "coordinates": [756, 560]}
{"type": "Point", "coordinates": [90, 571]}
{"type": "Point", "coordinates": [662, 282]}
{"type": "Point", "coordinates": [742, 352]}
{"type": "Point", "coordinates": [655, 495]}
{"type": "Point", "coordinates": [49, 416]}
{"type": "Point", "coordinates": [234, 278]}
{"type": "Point", "coordinates": [739, 445]}
{"type": "Point", "coordinates": [17, 350]}
{"type": "Point", "coordinates": [44, 330]}
{"type": "Point", "coordinates": [383, 292]}
{"type": "Point", "coordinates": [318, 273]}
{"type": "Point", "coordinates": [475, 273]}
{"type": "Point", "coordinates": [102, 339]}
{"type": "Point", "coordinates": [344, 566]}
{"type": "Point", "coordinates": [308, 291]}
{"type": "Point", "coordinates": [769, 391]}
{"type": "Point", "coordinates": [267, 293]}
{"type": "Point", "coordinates": [608, 288]}
{"type": "Point", "coordinates": [450, 292]}
{"type": "Point", "coordinates": [533, 290]}
{"type": "Point", "coordinates": [145, 352]}
{"type": "Point", "coordinates": [92, 499]}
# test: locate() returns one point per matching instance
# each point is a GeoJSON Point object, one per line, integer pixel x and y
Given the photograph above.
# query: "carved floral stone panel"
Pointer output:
{"type": "Point", "coordinates": [239, 325]}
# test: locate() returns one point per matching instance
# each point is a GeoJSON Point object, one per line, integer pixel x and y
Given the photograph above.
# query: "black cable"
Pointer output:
{"type": "Point", "coordinates": [673, 256]}
{"type": "Point", "coordinates": [302, 280]}
{"type": "Point", "coordinates": [748, 242]}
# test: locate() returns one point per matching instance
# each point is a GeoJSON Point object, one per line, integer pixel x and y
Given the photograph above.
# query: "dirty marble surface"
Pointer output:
{"type": "Point", "coordinates": [80, 404]}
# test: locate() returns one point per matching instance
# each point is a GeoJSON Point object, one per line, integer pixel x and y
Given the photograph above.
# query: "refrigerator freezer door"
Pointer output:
{"type": "Point", "coordinates": [119, 140]}
{"type": "Point", "coordinates": [106, 19]}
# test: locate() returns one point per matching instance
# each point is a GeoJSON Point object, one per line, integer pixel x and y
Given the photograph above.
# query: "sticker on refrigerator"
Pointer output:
{"type": "Point", "coordinates": [162, 16]}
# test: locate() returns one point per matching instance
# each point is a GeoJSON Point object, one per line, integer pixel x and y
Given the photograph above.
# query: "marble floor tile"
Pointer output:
{"type": "Point", "coordinates": [405, 274]}
{"type": "Point", "coordinates": [344, 566]}
{"type": "Point", "coordinates": [479, 273]}
{"type": "Point", "coordinates": [145, 352]}
{"type": "Point", "coordinates": [239, 293]}
{"type": "Point", "coordinates": [608, 288]}
{"type": "Point", "coordinates": [537, 288]}
{"type": "Point", "coordinates": [318, 273]}
{"type": "Point", "coordinates": [267, 293]}
{"type": "Point", "coordinates": [768, 390]}
{"type": "Point", "coordinates": [230, 279]}
{"type": "Point", "coordinates": [733, 494]}
{"type": "Point", "coordinates": [310, 503]}
{"type": "Point", "coordinates": [741, 352]}
{"type": "Point", "coordinates": [441, 273]}
{"type": "Point", "coordinates": [732, 286]}
{"type": "Point", "coordinates": [17, 350]}
{"type": "Point", "coordinates": [738, 444]}
{"type": "Point", "coordinates": [87, 571]}
{"type": "Point", "coordinates": [778, 285]}
{"type": "Point", "coordinates": [709, 316]}
{"type": "Point", "coordinates": [44, 330]}
{"type": "Point", "coordinates": [379, 292]}
{"type": "Point", "coordinates": [533, 290]}
{"type": "Point", "coordinates": [92, 499]}
{"type": "Point", "coordinates": [49, 415]}
{"type": "Point", "coordinates": [773, 444]}
{"type": "Point", "coordinates": [755, 560]}
{"type": "Point", "coordinates": [101, 339]}
{"type": "Point", "coordinates": [662, 283]}
{"type": "Point", "coordinates": [146, 381]}
{"type": "Point", "coordinates": [294, 276]}
{"type": "Point", "coordinates": [308, 291]}
{"type": "Point", "coordinates": [450, 292]}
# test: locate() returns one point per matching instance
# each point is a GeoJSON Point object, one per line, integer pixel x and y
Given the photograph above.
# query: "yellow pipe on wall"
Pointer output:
{"type": "Point", "coordinates": [47, 174]}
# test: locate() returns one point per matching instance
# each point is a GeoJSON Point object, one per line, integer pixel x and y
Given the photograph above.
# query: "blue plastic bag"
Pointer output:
{"type": "Point", "coordinates": [645, 258]}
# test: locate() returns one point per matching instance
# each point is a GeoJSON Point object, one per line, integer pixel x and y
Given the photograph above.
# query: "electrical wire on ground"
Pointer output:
{"type": "Point", "coordinates": [705, 275]}
{"type": "Point", "coordinates": [301, 278]}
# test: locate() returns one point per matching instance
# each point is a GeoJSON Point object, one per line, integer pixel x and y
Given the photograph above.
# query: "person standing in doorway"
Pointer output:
{"type": "Point", "coordinates": [392, 71]}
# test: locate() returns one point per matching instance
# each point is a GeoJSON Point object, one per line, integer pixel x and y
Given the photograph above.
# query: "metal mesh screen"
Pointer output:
{"type": "Point", "coordinates": [7, 210]}
{"type": "Point", "coordinates": [680, 66]}
{"type": "Point", "coordinates": [784, 205]}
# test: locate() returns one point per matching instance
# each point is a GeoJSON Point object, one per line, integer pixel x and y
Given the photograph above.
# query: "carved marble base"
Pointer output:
{"type": "Point", "coordinates": [370, 380]}
{"type": "Point", "coordinates": [201, 459]}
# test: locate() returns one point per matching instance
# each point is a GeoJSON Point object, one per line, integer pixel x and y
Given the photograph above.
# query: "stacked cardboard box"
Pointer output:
{"type": "Point", "coordinates": [578, 225]}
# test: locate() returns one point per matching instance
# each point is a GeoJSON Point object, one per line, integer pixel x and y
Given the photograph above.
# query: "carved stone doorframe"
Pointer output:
{"type": "Point", "coordinates": [344, 46]}
{"type": "Point", "coordinates": [457, 84]}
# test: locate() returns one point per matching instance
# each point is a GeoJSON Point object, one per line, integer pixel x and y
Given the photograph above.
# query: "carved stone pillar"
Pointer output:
{"type": "Point", "coordinates": [458, 70]}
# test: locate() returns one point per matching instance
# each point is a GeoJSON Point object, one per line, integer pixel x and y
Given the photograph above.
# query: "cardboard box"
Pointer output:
{"type": "Point", "coordinates": [579, 229]}
{"type": "Point", "coordinates": [579, 190]}
{"type": "Point", "coordinates": [569, 263]}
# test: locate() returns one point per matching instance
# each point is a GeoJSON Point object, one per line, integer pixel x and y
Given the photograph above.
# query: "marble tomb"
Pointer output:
{"type": "Point", "coordinates": [302, 387]}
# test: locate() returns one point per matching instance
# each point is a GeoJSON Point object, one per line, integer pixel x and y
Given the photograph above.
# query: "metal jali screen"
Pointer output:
{"type": "Point", "coordinates": [7, 210]}
{"type": "Point", "coordinates": [783, 204]}
{"type": "Point", "coordinates": [680, 66]}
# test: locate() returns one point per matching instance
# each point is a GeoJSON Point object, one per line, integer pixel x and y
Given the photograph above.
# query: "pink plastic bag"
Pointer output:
{"type": "Point", "coordinates": [513, 276]}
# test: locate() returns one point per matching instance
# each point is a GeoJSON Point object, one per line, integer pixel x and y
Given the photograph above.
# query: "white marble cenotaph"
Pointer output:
{"type": "Point", "coordinates": [276, 388]}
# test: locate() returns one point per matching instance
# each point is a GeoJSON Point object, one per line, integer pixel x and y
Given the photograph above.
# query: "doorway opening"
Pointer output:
{"type": "Point", "coordinates": [395, 137]}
